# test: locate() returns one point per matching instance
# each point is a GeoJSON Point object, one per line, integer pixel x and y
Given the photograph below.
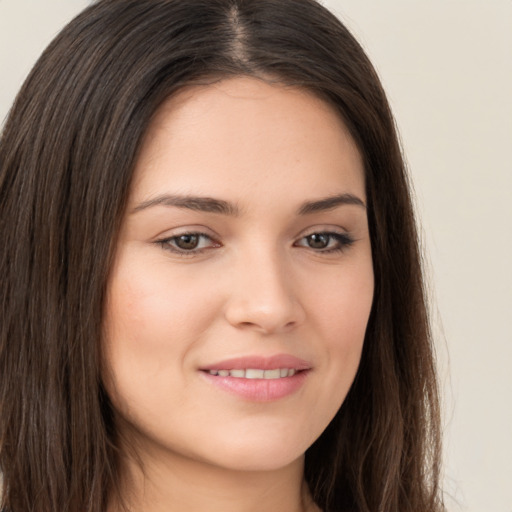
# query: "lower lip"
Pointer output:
{"type": "Point", "coordinates": [259, 390]}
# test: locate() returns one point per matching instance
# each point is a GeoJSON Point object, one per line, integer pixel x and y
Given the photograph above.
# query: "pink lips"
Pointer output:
{"type": "Point", "coordinates": [264, 363]}
{"type": "Point", "coordinates": [259, 390]}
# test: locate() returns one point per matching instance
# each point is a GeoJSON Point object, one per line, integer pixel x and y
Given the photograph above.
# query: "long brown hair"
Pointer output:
{"type": "Point", "coordinates": [67, 154]}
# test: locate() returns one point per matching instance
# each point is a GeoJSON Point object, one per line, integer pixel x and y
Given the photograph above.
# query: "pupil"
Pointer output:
{"type": "Point", "coordinates": [187, 241]}
{"type": "Point", "coordinates": [318, 241]}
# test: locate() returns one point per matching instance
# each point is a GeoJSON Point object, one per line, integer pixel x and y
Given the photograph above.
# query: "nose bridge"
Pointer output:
{"type": "Point", "coordinates": [263, 294]}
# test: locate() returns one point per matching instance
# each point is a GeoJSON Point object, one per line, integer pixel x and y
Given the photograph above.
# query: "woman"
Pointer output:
{"type": "Point", "coordinates": [212, 294]}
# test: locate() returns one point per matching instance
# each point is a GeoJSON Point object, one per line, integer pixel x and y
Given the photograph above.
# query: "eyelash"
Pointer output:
{"type": "Point", "coordinates": [343, 242]}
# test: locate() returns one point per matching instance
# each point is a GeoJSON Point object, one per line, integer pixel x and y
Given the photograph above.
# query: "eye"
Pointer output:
{"type": "Point", "coordinates": [188, 243]}
{"type": "Point", "coordinates": [326, 242]}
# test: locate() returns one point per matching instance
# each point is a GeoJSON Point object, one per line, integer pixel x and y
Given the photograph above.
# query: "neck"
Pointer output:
{"type": "Point", "coordinates": [183, 485]}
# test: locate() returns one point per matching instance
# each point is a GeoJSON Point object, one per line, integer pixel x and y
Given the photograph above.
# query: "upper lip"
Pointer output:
{"type": "Point", "coordinates": [260, 362]}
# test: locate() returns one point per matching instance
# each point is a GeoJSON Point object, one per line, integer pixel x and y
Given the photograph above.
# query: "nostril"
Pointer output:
{"type": "Point", "coordinates": [267, 327]}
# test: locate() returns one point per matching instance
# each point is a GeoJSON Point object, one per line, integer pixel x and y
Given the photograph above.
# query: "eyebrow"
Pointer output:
{"type": "Point", "coordinates": [197, 203]}
{"type": "Point", "coordinates": [211, 205]}
{"type": "Point", "coordinates": [329, 203]}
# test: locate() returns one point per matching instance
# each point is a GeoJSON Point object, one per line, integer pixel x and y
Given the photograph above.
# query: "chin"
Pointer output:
{"type": "Point", "coordinates": [256, 460]}
{"type": "Point", "coordinates": [259, 452]}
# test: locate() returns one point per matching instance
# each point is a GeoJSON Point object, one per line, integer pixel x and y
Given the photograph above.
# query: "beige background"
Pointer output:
{"type": "Point", "coordinates": [447, 67]}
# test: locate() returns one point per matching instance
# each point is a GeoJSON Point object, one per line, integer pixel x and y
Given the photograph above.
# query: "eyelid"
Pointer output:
{"type": "Point", "coordinates": [188, 229]}
{"type": "Point", "coordinates": [323, 229]}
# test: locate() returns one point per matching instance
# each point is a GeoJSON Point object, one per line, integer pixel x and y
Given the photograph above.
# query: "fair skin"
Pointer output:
{"type": "Point", "coordinates": [230, 259]}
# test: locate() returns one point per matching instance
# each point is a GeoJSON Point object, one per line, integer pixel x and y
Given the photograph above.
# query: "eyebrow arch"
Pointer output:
{"type": "Point", "coordinates": [201, 204]}
{"type": "Point", "coordinates": [328, 203]}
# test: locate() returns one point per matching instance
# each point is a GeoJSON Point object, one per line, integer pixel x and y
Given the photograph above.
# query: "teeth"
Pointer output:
{"type": "Point", "coordinates": [272, 374]}
{"type": "Point", "coordinates": [255, 373]}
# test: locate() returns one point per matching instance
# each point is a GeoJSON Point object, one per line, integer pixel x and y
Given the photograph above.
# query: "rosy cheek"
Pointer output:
{"type": "Point", "coordinates": [347, 302]}
{"type": "Point", "coordinates": [345, 320]}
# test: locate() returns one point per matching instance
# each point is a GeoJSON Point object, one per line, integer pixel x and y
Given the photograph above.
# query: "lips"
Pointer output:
{"type": "Point", "coordinates": [257, 378]}
{"type": "Point", "coordinates": [255, 373]}
{"type": "Point", "coordinates": [260, 362]}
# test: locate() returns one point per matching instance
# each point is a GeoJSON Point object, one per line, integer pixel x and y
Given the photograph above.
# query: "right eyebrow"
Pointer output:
{"type": "Point", "coordinates": [201, 204]}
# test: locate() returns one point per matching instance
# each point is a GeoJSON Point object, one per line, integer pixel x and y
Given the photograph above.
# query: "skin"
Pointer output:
{"type": "Point", "coordinates": [258, 283]}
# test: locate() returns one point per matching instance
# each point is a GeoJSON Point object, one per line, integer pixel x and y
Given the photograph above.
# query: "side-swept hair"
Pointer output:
{"type": "Point", "coordinates": [67, 155]}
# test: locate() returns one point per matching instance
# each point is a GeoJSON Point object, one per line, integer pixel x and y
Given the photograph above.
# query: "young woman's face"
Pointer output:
{"type": "Point", "coordinates": [243, 280]}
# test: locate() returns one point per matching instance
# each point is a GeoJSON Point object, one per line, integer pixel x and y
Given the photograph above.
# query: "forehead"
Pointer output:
{"type": "Point", "coordinates": [243, 136]}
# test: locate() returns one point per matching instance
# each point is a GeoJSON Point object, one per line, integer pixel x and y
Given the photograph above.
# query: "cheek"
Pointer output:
{"type": "Point", "coordinates": [152, 321]}
{"type": "Point", "coordinates": [342, 311]}
{"type": "Point", "coordinates": [148, 308]}
{"type": "Point", "coordinates": [342, 305]}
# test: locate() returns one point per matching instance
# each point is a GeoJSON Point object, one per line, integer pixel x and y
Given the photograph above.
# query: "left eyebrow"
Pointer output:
{"type": "Point", "coordinates": [328, 203]}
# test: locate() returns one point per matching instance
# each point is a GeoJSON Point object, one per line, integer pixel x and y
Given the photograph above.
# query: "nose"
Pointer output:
{"type": "Point", "coordinates": [263, 296]}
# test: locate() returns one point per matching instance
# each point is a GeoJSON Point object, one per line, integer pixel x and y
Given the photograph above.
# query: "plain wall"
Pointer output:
{"type": "Point", "coordinates": [447, 68]}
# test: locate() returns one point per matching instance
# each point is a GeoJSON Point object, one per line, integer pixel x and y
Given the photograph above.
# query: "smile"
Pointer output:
{"type": "Point", "coordinates": [258, 378]}
{"type": "Point", "coordinates": [253, 373]}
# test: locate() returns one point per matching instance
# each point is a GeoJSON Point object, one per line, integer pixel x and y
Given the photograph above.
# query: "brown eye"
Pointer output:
{"type": "Point", "coordinates": [187, 242]}
{"type": "Point", "coordinates": [318, 240]}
